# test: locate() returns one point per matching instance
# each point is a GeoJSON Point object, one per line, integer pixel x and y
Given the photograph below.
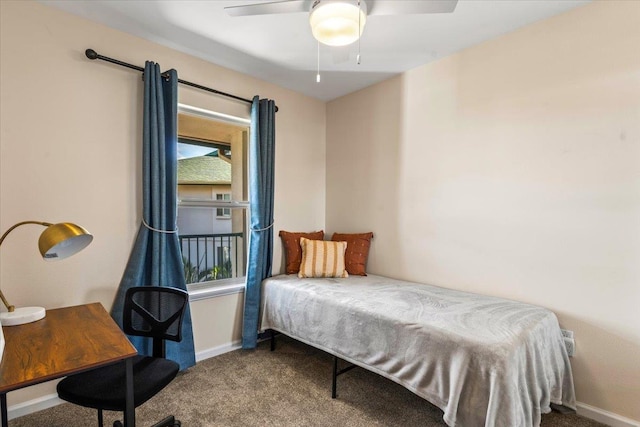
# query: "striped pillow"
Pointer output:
{"type": "Point", "coordinates": [321, 258]}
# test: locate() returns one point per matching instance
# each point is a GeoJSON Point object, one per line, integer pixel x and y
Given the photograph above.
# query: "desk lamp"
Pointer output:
{"type": "Point", "coordinates": [57, 241]}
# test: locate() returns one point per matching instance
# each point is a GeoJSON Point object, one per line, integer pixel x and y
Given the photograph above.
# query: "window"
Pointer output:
{"type": "Point", "coordinates": [212, 197]}
{"type": "Point", "coordinates": [223, 212]}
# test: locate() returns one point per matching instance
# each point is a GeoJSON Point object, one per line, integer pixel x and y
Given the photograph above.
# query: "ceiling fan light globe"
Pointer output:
{"type": "Point", "coordinates": [337, 23]}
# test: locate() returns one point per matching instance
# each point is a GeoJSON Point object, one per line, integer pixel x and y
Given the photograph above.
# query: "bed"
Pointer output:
{"type": "Point", "coordinates": [484, 361]}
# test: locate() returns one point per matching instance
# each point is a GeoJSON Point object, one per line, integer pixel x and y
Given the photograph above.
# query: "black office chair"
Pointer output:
{"type": "Point", "coordinates": [149, 311]}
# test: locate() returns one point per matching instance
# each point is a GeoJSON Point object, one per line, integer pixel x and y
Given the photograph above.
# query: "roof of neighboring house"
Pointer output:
{"type": "Point", "coordinates": [209, 169]}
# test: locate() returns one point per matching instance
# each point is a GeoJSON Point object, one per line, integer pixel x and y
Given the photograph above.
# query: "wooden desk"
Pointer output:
{"type": "Point", "coordinates": [67, 341]}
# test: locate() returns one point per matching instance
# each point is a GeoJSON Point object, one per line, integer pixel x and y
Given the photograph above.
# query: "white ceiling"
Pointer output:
{"type": "Point", "coordinates": [280, 48]}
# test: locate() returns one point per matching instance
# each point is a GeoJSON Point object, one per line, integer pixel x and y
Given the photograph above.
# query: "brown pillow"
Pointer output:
{"type": "Point", "coordinates": [292, 250]}
{"type": "Point", "coordinates": [357, 251]}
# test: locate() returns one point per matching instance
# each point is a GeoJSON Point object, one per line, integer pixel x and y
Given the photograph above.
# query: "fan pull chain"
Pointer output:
{"type": "Point", "coordinates": [359, 33]}
{"type": "Point", "coordinates": [318, 75]}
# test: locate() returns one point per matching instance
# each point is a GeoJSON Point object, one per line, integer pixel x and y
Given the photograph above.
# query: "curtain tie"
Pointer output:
{"type": "Point", "coordinates": [262, 229]}
{"type": "Point", "coordinates": [159, 231]}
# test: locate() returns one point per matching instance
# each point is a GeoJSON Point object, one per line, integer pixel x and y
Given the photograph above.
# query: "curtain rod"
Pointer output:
{"type": "Point", "coordinates": [92, 54]}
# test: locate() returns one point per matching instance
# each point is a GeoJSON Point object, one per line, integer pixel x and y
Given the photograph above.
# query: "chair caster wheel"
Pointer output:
{"type": "Point", "coordinates": [117, 424]}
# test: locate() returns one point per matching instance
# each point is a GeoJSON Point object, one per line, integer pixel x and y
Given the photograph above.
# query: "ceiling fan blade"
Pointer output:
{"type": "Point", "coordinates": [284, 6]}
{"type": "Point", "coordinates": [410, 7]}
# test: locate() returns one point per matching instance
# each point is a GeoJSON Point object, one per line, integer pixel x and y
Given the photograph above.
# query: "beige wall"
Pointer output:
{"type": "Point", "coordinates": [512, 169]}
{"type": "Point", "coordinates": [70, 132]}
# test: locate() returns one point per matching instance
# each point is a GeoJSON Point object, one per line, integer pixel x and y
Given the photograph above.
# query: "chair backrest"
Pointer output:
{"type": "Point", "coordinates": [156, 312]}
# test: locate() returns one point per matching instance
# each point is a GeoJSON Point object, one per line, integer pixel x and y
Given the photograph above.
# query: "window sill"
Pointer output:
{"type": "Point", "coordinates": [200, 292]}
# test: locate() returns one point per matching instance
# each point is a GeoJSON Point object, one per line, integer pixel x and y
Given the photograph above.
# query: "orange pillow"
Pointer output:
{"type": "Point", "coordinates": [292, 250]}
{"type": "Point", "coordinates": [357, 251]}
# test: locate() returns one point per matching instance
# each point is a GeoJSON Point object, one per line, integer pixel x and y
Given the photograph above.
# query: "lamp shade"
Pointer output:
{"type": "Point", "coordinates": [337, 23]}
{"type": "Point", "coordinates": [59, 241]}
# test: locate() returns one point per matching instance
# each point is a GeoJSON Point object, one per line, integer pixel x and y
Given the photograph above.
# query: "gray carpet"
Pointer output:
{"type": "Point", "coordinates": [289, 387]}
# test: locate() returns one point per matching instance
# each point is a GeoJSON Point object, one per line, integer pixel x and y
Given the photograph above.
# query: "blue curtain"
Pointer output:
{"type": "Point", "coordinates": [261, 170]}
{"type": "Point", "coordinates": [156, 258]}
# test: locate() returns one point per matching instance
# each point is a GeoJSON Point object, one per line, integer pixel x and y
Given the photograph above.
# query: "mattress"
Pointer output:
{"type": "Point", "coordinates": [484, 361]}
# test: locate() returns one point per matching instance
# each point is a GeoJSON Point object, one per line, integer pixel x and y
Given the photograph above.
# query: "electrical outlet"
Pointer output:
{"type": "Point", "coordinates": [566, 333]}
{"type": "Point", "coordinates": [570, 344]}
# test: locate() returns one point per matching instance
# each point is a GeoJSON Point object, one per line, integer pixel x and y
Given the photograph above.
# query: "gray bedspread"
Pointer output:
{"type": "Point", "coordinates": [484, 361]}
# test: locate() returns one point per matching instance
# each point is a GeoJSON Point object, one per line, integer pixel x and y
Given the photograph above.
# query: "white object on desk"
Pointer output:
{"type": "Point", "coordinates": [21, 315]}
{"type": "Point", "coordinates": [1, 342]}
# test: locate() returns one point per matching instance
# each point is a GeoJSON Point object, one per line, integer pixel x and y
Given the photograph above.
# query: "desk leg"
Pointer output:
{"type": "Point", "coordinates": [3, 404]}
{"type": "Point", "coordinates": [129, 413]}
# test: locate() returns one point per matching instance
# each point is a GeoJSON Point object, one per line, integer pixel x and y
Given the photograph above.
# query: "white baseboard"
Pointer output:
{"type": "Point", "coordinates": [605, 417]}
{"type": "Point", "coordinates": [217, 351]}
{"type": "Point", "coordinates": [33, 405]}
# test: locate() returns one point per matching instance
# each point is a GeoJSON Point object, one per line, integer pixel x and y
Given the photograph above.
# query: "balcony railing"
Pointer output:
{"type": "Point", "coordinates": [212, 256]}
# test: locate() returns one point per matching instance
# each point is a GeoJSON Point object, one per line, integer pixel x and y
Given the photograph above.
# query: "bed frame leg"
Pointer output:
{"type": "Point", "coordinates": [334, 385]}
{"type": "Point", "coordinates": [272, 334]}
{"type": "Point", "coordinates": [336, 372]}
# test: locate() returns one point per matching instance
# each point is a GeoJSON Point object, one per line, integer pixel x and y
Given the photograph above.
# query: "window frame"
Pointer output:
{"type": "Point", "coordinates": [215, 288]}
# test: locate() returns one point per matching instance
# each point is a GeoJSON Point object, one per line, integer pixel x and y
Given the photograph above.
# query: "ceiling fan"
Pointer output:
{"type": "Point", "coordinates": [341, 22]}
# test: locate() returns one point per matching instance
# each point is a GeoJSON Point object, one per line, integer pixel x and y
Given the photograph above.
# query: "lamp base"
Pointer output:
{"type": "Point", "coordinates": [1, 343]}
{"type": "Point", "coordinates": [22, 315]}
